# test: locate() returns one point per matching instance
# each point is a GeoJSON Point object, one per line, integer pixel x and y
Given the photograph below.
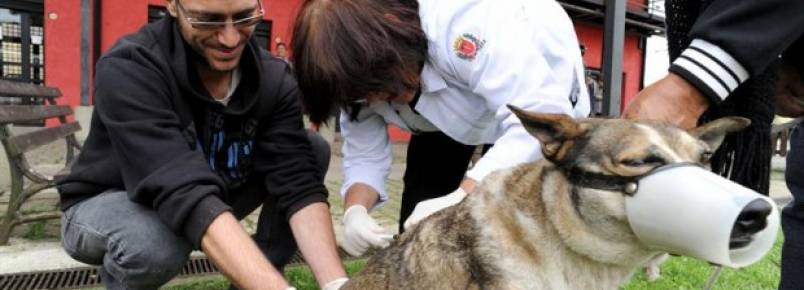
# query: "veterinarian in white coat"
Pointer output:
{"type": "Point", "coordinates": [432, 67]}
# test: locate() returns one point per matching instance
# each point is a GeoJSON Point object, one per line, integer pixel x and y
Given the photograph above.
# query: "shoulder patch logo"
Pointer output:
{"type": "Point", "coordinates": [466, 46]}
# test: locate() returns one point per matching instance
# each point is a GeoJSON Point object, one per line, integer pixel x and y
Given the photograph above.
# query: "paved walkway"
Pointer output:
{"type": "Point", "coordinates": [25, 256]}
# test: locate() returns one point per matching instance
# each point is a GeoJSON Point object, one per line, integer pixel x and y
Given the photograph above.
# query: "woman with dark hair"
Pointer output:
{"type": "Point", "coordinates": [443, 70]}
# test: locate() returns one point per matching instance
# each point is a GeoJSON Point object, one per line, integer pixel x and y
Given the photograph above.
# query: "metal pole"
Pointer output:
{"type": "Point", "coordinates": [613, 42]}
{"type": "Point", "coordinates": [25, 46]}
{"type": "Point", "coordinates": [86, 21]}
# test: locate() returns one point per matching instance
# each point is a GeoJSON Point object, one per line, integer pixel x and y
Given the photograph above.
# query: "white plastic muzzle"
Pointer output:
{"type": "Point", "coordinates": [688, 210]}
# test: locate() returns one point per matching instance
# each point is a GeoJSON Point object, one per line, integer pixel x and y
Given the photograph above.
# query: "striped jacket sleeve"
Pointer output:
{"type": "Point", "coordinates": [736, 39]}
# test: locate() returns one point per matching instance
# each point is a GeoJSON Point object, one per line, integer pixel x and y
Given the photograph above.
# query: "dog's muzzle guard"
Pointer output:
{"type": "Point", "coordinates": [685, 209]}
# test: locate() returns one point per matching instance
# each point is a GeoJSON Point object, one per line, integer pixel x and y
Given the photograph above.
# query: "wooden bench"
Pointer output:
{"type": "Point", "coordinates": [25, 180]}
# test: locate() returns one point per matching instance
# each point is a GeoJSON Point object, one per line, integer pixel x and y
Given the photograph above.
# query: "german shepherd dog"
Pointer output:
{"type": "Point", "coordinates": [532, 226]}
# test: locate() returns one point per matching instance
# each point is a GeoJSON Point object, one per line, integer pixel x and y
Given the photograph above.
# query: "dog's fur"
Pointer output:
{"type": "Point", "coordinates": [530, 227]}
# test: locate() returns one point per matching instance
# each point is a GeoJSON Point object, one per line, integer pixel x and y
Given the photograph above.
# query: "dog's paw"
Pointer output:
{"type": "Point", "coordinates": [653, 273]}
{"type": "Point", "coordinates": [653, 269]}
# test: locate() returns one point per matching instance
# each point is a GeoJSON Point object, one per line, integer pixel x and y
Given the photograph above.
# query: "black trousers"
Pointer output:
{"type": "Point", "coordinates": [436, 165]}
{"type": "Point", "coordinates": [793, 216]}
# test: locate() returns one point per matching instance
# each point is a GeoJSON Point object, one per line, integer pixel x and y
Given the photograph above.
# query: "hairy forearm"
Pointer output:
{"type": "Point", "coordinates": [238, 257]}
{"type": "Point", "coordinates": [312, 227]}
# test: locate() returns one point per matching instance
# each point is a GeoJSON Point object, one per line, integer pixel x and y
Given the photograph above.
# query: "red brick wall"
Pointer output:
{"type": "Point", "coordinates": [591, 36]}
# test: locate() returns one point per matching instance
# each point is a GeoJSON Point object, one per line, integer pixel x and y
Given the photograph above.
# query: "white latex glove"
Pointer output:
{"type": "Point", "coordinates": [335, 284]}
{"type": "Point", "coordinates": [361, 232]}
{"type": "Point", "coordinates": [425, 208]}
{"type": "Point", "coordinates": [291, 288]}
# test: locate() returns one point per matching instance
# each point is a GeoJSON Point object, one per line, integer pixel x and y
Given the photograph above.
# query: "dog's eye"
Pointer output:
{"type": "Point", "coordinates": [650, 160]}
{"type": "Point", "coordinates": [632, 162]}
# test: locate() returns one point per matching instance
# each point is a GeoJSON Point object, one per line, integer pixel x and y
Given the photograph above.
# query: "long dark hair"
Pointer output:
{"type": "Point", "coordinates": [345, 49]}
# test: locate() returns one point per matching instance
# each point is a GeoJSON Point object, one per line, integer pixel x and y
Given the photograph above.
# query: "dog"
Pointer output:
{"type": "Point", "coordinates": [531, 226]}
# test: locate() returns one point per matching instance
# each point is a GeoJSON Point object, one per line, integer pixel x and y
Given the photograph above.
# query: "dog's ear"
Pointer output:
{"type": "Point", "coordinates": [714, 132]}
{"type": "Point", "coordinates": [552, 130]}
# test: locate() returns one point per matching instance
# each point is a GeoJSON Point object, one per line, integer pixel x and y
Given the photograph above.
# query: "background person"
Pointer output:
{"type": "Point", "coordinates": [282, 52]}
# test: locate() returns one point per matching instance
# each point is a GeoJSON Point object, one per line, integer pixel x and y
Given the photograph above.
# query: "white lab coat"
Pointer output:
{"type": "Point", "coordinates": [520, 52]}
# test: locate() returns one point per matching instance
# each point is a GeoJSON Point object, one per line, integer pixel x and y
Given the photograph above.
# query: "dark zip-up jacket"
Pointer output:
{"type": "Point", "coordinates": [157, 134]}
{"type": "Point", "coordinates": [736, 39]}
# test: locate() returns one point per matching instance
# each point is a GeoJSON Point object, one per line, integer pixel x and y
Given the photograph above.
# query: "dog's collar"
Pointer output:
{"type": "Point", "coordinates": [625, 184]}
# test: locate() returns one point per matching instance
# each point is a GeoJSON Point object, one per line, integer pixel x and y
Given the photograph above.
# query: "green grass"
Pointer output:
{"type": "Point", "coordinates": [38, 231]}
{"type": "Point", "coordinates": [678, 273]}
{"type": "Point", "coordinates": [205, 283]}
{"type": "Point", "coordinates": [299, 276]}
{"type": "Point", "coordinates": [681, 273]}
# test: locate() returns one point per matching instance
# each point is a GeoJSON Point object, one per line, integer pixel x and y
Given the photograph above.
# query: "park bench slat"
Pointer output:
{"type": "Point", "coordinates": [14, 113]}
{"type": "Point", "coordinates": [26, 142]}
{"type": "Point", "coordinates": [19, 89]}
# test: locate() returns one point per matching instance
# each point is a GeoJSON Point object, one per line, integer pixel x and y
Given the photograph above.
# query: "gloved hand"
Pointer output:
{"type": "Point", "coordinates": [361, 232]}
{"type": "Point", "coordinates": [430, 206]}
{"type": "Point", "coordinates": [335, 284]}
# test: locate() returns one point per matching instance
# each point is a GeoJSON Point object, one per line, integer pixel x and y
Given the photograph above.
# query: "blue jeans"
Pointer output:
{"type": "Point", "coordinates": [793, 216]}
{"type": "Point", "coordinates": [138, 251]}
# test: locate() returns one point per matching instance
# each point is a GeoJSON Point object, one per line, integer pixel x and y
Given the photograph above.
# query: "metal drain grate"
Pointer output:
{"type": "Point", "coordinates": [86, 277]}
{"type": "Point", "coordinates": [198, 266]}
{"type": "Point", "coordinates": [72, 278]}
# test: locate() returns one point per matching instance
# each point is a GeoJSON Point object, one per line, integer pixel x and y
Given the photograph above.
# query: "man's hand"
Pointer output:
{"type": "Point", "coordinates": [671, 99]}
{"type": "Point", "coordinates": [361, 232]}
{"type": "Point", "coordinates": [236, 254]}
{"type": "Point", "coordinates": [789, 97]}
{"type": "Point", "coordinates": [430, 206]}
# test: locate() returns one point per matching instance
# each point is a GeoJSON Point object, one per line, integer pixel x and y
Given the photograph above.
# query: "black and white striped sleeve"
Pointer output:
{"type": "Point", "coordinates": [736, 39]}
{"type": "Point", "coordinates": [711, 69]}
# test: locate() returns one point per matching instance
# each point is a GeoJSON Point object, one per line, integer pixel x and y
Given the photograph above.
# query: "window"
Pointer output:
{"type": "Point", "coordinates": [20, 58]}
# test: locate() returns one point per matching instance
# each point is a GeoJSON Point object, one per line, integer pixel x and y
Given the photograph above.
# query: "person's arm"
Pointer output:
{"type": "Point", "coordinates": [367, 156]}
{"type": "Point", "coordinates": [361, 194]}
{"type": "Point", "coordinates": [283, 154]}
{"type": "Point", "coordinates": [312, 227]}
{"type": "Point", "coordinates": [237, 256]}
{"type": "Point", "coordinates": [366, 164]}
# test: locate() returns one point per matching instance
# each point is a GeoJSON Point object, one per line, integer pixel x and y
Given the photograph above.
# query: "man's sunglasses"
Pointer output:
{"type": "Point", "coordinates": [244, 22]}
